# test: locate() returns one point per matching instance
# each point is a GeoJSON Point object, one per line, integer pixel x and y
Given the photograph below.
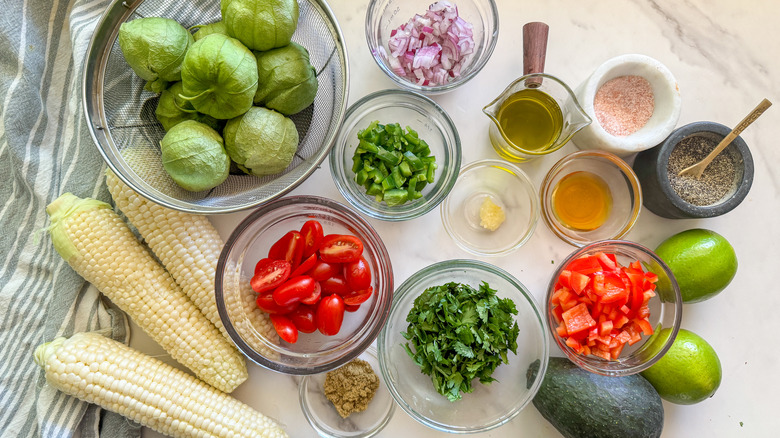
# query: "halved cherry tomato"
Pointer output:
{"type": "Point", "coordinates": [285, 328]}
{"type": "Point", "coordinates": [269, 274]}
{"type": "Point", "coordinates": [322, 271]}
{"type": "Point", "coordinates": [335, 285]}
{"type": "Point", "coordinates": [304, 318]}
{"type": "Point", "coordinates": [289, 247]}
{"type": "Point", "coordinates": [340, 248]}
{"type": "Point", "coordinates": [330, 315]}
{"type": "Point", "coordinates": [305, 265]}
{"type": "Point", "coordinates": [294, 290]}
{"type": "Point", "coordinates": [348, 308]}
{"type": "Point", "coordinates": [358, 274]}
{"type": "Point", "coordinates": [358, 297]}
{"type": "Point", "coordinates": [265, 301]}
{"type": "Point", "coordinates": [312, 234]}
{"type": "Point", "coordinates": [314, 298]}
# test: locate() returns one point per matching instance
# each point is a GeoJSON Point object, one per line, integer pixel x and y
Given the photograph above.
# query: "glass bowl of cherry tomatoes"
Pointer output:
{"type": "Point", "coordinates": [303, 285]}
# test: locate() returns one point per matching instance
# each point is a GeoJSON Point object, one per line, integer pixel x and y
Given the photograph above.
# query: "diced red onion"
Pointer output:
{"type": "Point", "coordinates": [431, 49]}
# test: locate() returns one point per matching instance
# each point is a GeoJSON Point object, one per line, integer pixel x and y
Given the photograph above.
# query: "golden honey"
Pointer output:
{"type": "Point", "coordinates": [582, 201]}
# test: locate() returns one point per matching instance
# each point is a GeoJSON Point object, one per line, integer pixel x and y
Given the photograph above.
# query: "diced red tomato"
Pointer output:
{"type": "Point", "coordinates": [606, 262]}
{"type": "Point", "coordinates": [605, 327]}
{"type": "Point", "coordinates": [564, 280]}
{"type": "Point", "coordinates": [579, 282]}
{"type": "Point", "coordinates": [600, 305]}
{"type": "Point", "coordinates": [577, 319]}
{"type": "Point", "coordinates": [586, 265]}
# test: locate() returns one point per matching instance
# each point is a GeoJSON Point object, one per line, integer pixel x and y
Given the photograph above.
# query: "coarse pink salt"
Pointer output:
{"type": "Point", "coordinates": [624, 104]}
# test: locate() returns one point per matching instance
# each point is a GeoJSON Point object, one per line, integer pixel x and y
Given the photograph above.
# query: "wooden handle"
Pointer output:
{"type": "Point", "coordinates": [750, 118]}
{"type": "Point", "coordinates": [698, 169]}
{"type": "Point", "coordinates": [534, 50]}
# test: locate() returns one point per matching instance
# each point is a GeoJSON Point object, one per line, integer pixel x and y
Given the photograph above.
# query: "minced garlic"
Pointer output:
{"type": "Point", "coordinates": [491, 216]}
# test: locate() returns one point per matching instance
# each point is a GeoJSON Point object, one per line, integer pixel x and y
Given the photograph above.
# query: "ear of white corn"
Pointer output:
{"type": "Point", "coordinates": [186, 244]}
{"type": "Point", "coordinates": [95, 241]}
{"type": "Point", "coordinates": [118, 378]}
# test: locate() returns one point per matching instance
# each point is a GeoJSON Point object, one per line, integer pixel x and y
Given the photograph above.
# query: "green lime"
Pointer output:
{"type": "Point", "coordinates": [688, 373]}
{"type": "Point", "coordinates": [702, 261]}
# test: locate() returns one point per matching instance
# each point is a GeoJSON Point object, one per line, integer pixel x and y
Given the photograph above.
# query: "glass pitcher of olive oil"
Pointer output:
{"type": "Point", "coordinates": [535, 115]}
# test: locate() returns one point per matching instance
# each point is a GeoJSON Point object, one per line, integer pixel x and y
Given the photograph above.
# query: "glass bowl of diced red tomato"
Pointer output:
{"type": "Point", "coordinates": [304, 284]}
{"type": "Point", "coordinates": [607, 303]}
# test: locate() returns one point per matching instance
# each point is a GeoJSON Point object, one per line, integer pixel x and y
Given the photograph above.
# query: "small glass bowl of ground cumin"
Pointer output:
{"type": "Point", "coordinates": [349, 401]}
{"type": "Point", "coordinates": [724, 184]}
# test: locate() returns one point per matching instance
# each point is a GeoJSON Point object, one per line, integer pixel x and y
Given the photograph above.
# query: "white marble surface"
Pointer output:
{"type": "Point", "coordinates": [725, 57]}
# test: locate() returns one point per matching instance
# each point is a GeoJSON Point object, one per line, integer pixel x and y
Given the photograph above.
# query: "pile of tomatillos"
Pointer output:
{"type": "Point", "coordinates": [227, 90]}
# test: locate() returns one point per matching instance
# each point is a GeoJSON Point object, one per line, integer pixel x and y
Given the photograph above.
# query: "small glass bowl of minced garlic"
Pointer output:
{"type": "Point", "coordinates": [349, 401]}
{"type": "Point", "coordinates": [492, 209]}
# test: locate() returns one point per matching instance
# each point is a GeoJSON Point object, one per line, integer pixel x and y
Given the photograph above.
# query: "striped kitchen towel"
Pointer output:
{"type": "Point", "coordinates": [45, 150]}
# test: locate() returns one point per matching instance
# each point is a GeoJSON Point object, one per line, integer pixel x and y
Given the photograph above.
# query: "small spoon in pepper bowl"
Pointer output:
{"type": "Point", "coordinates": [697, 169]}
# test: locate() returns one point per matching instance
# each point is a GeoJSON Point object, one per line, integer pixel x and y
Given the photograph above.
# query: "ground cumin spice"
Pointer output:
{"type": "Point", "coordinates": [351, 387]}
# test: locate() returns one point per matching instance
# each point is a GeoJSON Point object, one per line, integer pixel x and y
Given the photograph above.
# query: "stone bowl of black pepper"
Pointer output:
{"type": "Point", "coordinates": [722, 187]}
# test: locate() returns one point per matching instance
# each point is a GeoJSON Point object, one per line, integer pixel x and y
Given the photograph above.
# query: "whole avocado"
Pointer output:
{"type": "Point", "coordinates": [581, 404]}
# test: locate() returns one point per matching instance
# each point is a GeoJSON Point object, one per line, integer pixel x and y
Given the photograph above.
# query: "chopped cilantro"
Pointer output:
{"type": "Point", "coordinates": [457, 333]}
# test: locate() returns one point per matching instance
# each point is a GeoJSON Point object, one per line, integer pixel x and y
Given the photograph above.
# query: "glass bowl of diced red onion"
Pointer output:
{"type": "Point", "coordinates": [431, 50]}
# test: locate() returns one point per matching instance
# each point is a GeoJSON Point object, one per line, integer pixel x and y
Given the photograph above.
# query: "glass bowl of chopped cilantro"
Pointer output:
{"type": "Point", "coordinates": [396, 156]}
{"type": "Point", "coordinates": [458, 344]}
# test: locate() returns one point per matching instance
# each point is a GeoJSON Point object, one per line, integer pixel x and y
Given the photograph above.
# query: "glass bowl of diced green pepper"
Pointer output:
{"type": "Point", "coordinates": [397, 155]}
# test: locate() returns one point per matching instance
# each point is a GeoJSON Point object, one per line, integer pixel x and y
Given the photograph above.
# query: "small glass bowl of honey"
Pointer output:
{"type": "Point", "coordinates": [589, 196]}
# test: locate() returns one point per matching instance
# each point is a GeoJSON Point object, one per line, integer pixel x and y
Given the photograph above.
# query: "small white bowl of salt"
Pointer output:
{"type": "Point", "coordinates": [634, 102]}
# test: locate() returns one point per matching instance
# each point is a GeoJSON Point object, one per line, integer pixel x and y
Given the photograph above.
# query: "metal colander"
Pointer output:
{"type": "Point", "coordinates": [121, 116]}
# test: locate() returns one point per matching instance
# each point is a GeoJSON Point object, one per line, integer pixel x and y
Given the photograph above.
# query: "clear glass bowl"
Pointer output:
{"type": "Point", "coordinates": [383, 16]}
{"type": "Point", "coordinates": [624, 188]}
{"type": "Point", "coordinates": [250, 328]}
{"type": "Point", "coordinates": [665, 311]}
{"type": "Point", "coordinates": [488, 406]}
{"type": "Point", "coordinates": [408, 109]}
{"type": "Point", "coordinates": [505, 185]}
{"type": "Point", "coordinates": [324, 418]}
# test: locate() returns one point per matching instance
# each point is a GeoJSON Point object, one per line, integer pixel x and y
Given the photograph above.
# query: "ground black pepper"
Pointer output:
{"type": "Point", "coordinates": [717, 181]}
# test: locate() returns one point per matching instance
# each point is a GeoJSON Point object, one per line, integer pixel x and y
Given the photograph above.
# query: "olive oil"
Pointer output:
{"type": "Point", "coordinates": [582, 201]}
{"type": "Point", "coordinates": [531, 119]}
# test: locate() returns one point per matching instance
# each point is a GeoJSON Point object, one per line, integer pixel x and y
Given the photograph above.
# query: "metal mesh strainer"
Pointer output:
{"type": "Point", "coordinates": [121, 116]}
